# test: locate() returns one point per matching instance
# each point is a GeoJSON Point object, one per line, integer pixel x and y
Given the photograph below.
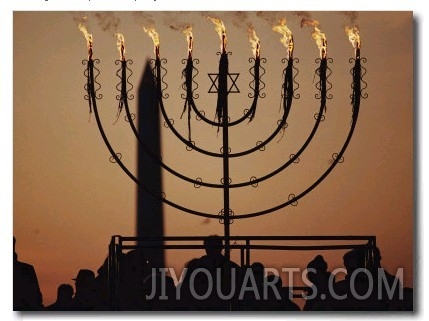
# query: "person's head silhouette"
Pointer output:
{"type": "Point", "coordinates": [84, 280]}
{"type": "Point", "coordinates": [353, 260]}
{"type": "Point", "coordinates": [316, 268]}
{"type": "Point", "coordinates": [213, 245]}
{"type": "Point", "coordinates": [65, 293]}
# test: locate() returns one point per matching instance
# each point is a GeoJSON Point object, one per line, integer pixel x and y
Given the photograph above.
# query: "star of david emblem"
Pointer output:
{"type": "Point", "coordinates": [232, 77]}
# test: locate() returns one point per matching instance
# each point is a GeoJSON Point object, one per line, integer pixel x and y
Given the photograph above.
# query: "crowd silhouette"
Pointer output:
{"type": "Point", "coordinates": [214, 283]}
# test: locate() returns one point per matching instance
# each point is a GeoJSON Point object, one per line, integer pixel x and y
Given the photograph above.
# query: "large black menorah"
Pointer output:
{"type": "Point", "coordinates": [224, 83]}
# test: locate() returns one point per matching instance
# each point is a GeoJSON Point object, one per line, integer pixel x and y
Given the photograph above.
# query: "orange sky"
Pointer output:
{"type": "Point", "coordinates": [68, 199]}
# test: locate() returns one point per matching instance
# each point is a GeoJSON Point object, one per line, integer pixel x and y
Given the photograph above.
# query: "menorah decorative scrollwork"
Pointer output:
{"type": "Point", "coordinates": [223, 83]}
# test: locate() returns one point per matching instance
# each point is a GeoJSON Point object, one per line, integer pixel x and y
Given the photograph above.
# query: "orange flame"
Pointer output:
{"type": "Point", "coordinates": [190, 39]}
{"type": "Point", "coordinates": [220, 29]}
{"type": "Point", "coordinates": [287, 39]}
{"type": "Point", "coordinates": [354, 38]}
{"type": "Point", "coordinates": [317, 35]}
{"type": "Point", "coordinates": [155, 38]}
{"type": "Point", "coordinates": [254, 40]}
{"type": "Point", "coordinates": [121, 45]}
{"type": "Point", "coordinates": [88, 37]}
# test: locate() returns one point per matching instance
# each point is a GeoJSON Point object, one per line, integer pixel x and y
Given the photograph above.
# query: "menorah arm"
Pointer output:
{"type": "Point", "coordinates": [92, 98]}
{"type": "Point", "coordinates": [288, 95]}
{"type": "Point", "coordinates": [157, 158]}
{"type": "Point", "coordinates": [291, 159]}
{"type": "Point", "coordinates": [192, 146]}
{"type": "Point", "coordinates": [124, 102]}
{"type": "Point", "coordinates": [287, 103]}
{"type": "Point", "coordinates": [317, 182]}
{"type": "Point", "coordinates": [137, 181]}
{"type": "Point", "coordinates": [357, 94]}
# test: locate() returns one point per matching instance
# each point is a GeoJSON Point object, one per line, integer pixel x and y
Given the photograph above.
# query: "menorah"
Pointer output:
{"type": "Point", "coordinates": [223, 83]}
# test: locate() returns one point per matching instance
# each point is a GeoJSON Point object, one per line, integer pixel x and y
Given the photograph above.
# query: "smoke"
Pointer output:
{"type": "Point", "coordinates": [303, 14]}
{"type": "Point", "coordinates": [108, 21]}
{"type": "Point", "coordinates": [271, 17]}
{"type": "Point", "coordinates": [240, 19]}
{"type": "Point", "coordinates": [274, 17]}
{"type": "Point", "coordinates": [144, 18]}
{"type": "Point", "coordinates": [309, 23]}
{"type": "Point", "coordinates": [175, 22]}
{"type": "Point", "coordinates": [209, 15]}
{"type": "Point", "coordinates": [176, 26]}
{"type": "Point", "coordinates": [306, 19]}
{"type": "Point", "coordinates": [80, 17]}
{"type": "Point", "coordinates": [351, 19]}
{"type": "Point", "coordinates": [172, 20]}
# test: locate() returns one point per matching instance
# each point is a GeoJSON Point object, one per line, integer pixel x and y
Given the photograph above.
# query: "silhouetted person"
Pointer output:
{"type": "Point", "coordinates": [355, 292]}
{"type": "Point", "coordinates": [193, 287]}
{"type": "Point", "coordinates": [134, 269]}
{"type": "Point", "coordinates": [64, 300]}
{"type": "Point", "coordinates": [86, 297]}
{"type": "Point", "coordinates": [213, 246]}
{"type": "Point", "coordinates": [26, 291]}
{"type": "Point", "coordinates": [225, 274]}
{"type": "Point", "coordinates": [319, 296]}
{"type": "Point", "coordinates": [252, 294]}
{"type": "Point", "coordinates": [389, 287]}
{"type": "Point", "coordinates": [102, 286]}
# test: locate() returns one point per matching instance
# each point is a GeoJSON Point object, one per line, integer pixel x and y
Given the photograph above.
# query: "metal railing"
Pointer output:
{"type": "Point", "coordinates": [244, 244]}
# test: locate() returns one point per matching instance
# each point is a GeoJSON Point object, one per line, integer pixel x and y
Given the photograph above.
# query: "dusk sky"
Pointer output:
{"type": "Point", "coordinates": [68, 199]}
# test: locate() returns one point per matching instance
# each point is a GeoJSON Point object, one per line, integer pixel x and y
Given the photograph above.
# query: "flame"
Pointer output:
{"type": "Point", "coordinates": [88, 37]}
{"type": "Point", "coordinates": [190, 39]}
{"type": "Point", "coordinates": [220, 29]}
{"type": "Point", "coordinates": [121, 45]}
{"type": "Point", "coordinates": [354, 38]}
{"type": "Point", "coordinates": [254, 40]}
{"type": "Point", "coordinates": [155, 38]}
{"type": "Point", "coordinates": [287, 39]}
{"type": "Point", "coordinates": [317, 35]}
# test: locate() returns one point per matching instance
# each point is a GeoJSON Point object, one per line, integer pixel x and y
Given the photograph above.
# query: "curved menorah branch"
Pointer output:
{"type": "Point", "coordinates": [117, 158]}
{"type": "Point", "coordinates": [156, 158]}
{"type": "Point", "coordinates": [357, 94]}
{"type": "Point", "coordinates": [288, 94]}
{"type": "Point", "coordinates": [169, 123]}
{"type": "Point", "coordinates": [192, 146]}
{"type": "Point", "coordinates": [311, 187]}
{"type": "Point", "coordinates": [287, 97]}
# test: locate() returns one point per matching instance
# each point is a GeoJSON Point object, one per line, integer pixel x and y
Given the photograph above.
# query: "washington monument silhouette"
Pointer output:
{"type": "Point", "coordinates": [149, 210]}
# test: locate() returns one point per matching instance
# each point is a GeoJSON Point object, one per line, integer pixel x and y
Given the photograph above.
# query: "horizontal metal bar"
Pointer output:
{"type": "Point", "coordinates": [256, 238]}
{"type": "Point", "coordinates": [252, 247]}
